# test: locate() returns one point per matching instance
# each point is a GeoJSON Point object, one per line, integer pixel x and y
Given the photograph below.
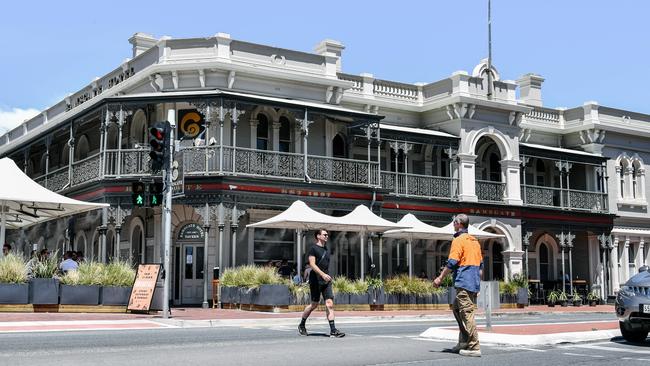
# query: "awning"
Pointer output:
{"type": "Point", "coordinates": [325, 108]}
{"type": "Point", "coordinates": [417, 135]}
{"type": "Point", "coordinates": [551, 152]}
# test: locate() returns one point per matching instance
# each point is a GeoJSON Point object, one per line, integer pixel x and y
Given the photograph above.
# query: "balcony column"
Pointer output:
{"type": "Point", "coordinates": [236, 214]}
{"type": "Point", "coordinates": [378, 138]}
{"type": "Point", "coordinates": [254, 122]}
{"type": "Point", "coordinates": [276, 135]}
{"type": "Point", "coordinates": [629, 177]}
{"type": "Point", "coordinates": [304, 129]}
{"type": "Point", "coordinates": [606, 248]}
{"type": "Point", "coordinates": [103, 142]}
{"type": "Point", "coordinates": [564, 168]}
{"type": "Point", "coordinates": [512, 173]}
{"type": "Point", "coordinates": [221, 121]}
{"type": "Point", "coordinates": [569, 245]}
{"type": "Point", "coordinates": [120, 124]}
{"type": "Point", "coordinates": [640, 260]}
{"type": "Point", "coordinates": [466, 174]}
{"type": "Point", "coordinates": [645, 259]}
{"type": "Point", "coordinates": [70, 153]}
{"type": "Point", "coordinates": [641, 183]}
{"type": "Point", "coordinates": [613, 267]}
{"type": "Point", "coordinates": [395, 146]}
{"type": "Point", "coordinates": [26, 159]}
{"type": "Point", "coordinates": [206, 138]}
{"type": "Point", "coordinates": [234, 118]}
{"type": "Point", "coordinates": [625, 259]}
{"type": "Point", "coordinates": [561, 238]}
{"type": "Point", "coordinates": [406, 148]}
{"type": "Point", "coordinates": [48, 144]}
{"type": "Point", "coordinates": [453, 172]}
{"type": "Point", "coordinates": [102, 235]}
{"type": "Point", "coordinates": [221, 223]}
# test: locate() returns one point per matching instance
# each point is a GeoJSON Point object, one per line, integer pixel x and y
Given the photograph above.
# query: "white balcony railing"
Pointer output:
{"type": "Point", "coordinates": [569, 199]}
{"type": "Point", "coordinates": [420, 185]}
{"type": "Point", "coordinates": [490, 191]}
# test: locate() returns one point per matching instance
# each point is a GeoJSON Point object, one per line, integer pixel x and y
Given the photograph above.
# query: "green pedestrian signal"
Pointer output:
{"type": "Point", "coordinates": [138, 190]}
{"type": "Point", "coordinates": [155, 194]}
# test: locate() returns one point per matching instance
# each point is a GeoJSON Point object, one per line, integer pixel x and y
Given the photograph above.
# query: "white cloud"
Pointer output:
{"type": "Point", "coordinates": [12, 117]}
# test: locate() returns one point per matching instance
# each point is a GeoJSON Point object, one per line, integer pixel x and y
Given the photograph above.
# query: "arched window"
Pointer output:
{"type": "Point", "coordinates": [495, 168]}
{"type": "Point", "coordinates": [497, 261]}
{"type": "Point", "coordinates": [543, 262]}
{"type": "Point", "coordinates": [621, 192]}
{"type": "Point", "coordinates": [338, 147]}
{"type": "Point", "coordinates": [262, 132]}
{"type": "Point", "coordinates": [285, 135]}
{"type": "Point", "coordinates": [82, 148]}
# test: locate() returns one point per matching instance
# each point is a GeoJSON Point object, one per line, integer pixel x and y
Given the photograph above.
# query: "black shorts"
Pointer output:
{"type": "Point", "coordinates": [317, 289]}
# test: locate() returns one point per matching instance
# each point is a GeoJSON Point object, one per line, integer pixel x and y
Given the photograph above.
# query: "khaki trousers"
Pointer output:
{"type": "Point", "coordinates": [464, 307]}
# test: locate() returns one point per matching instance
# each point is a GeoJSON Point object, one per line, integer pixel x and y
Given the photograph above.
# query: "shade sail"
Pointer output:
{"type": "Point", "coordinates": [417, 230]}
{"type": "Point", "coordinates": [472, 230]}
{"type": "Point", "coordinates": [27, 202]}
{"type": "Point", "coordinates": [299, 217]}
{"type": "Point", "coordinates": [362, 219]}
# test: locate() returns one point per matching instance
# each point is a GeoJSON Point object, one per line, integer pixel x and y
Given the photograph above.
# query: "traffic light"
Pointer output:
{"type": "Point", "coordinates": [159, 142]}
{"type": "Point", "coordinates": [155, 194]}
{"type": "Point", "coordinates": [138, 194]}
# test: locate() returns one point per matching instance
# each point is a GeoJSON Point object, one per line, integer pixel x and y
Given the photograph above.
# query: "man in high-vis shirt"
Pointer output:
{"type": "Point", "coordinates": [466, 263]}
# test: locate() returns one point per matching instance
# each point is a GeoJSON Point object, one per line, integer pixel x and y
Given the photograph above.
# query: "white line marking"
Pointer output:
{"type": "Point", "coordinates": [581, 355]}
{"type": "Point", "coordinates": [600, 348]}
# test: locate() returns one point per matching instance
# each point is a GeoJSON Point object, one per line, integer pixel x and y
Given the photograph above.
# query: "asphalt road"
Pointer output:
{"type": "Point", "coordinates": [371, 343]}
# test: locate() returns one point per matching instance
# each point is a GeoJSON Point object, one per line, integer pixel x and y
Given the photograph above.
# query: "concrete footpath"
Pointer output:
{"type": "Point", "coordinates": [574, 329]}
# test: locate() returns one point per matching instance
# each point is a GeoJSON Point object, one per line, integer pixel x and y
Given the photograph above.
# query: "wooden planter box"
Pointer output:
{"type": "Point", "coordinates": [111, 295]}
{"type": "Point", "coordinates": [272, 295]}
{"type": "Point", "coordinates": [14, 293]}
{"type": "Point", "coordinates": [79, 295]}
{"type": "Point", "coordinates": [44, 291]}
{"type": "Point", "coordinates": [227, 295]}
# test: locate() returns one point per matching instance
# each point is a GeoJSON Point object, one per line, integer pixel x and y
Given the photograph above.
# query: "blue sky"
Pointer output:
{"type": "Point", "coordinates": [587, 50]}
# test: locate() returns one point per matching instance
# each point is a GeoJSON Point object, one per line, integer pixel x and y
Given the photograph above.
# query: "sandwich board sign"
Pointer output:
{"type": "Point", "coordinates": [143, 287]}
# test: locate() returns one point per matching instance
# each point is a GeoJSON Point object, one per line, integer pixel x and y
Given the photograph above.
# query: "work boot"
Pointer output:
{"type": "Point", "coordinates": [456, 348]}
{"type": "Point", "coordinates": [302, 330]}
{"type": "Point", "coordinates": [470, 352]}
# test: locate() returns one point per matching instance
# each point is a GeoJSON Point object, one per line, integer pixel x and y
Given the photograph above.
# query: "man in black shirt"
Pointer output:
{"type": "Point", "coordinates": [320, 283]}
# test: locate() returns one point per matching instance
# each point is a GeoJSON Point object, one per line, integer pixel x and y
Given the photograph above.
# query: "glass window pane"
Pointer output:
{"type": "Point", "coordinates": [199, 263]}
{"type": "Point", "coordinates": [189, 262]}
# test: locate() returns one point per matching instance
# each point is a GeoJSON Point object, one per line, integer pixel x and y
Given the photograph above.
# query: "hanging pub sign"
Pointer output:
{"type": "Point", "coordinates": [191, 124]}
{"type": "Point", "coordinates": [191, 232]}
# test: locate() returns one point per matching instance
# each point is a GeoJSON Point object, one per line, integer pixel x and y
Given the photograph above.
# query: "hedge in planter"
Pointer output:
{"type": "Point", "coordinates": [117, 280]}
{"type": "Point", "coordinates": [254, 285]}
{"type": "Point", "coordinates": [13, 280]}
{"type": "Point", "coordinates": [342, 288]}
{"type": "Point", "coordinates": [81, 287]}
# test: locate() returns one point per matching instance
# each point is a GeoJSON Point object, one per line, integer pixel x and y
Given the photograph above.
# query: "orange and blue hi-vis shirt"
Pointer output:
{"type": "Point", "coordinates": [466, 260]}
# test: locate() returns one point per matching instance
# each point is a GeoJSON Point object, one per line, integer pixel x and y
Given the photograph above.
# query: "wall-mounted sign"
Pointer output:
{"type": "Point", "coordinates": [191, 231]}
{"type": "Point", "coordinates": [190, 124]}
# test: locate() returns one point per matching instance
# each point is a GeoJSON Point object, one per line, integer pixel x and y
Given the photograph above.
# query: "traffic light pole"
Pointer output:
{"type": "Point", "coordinates": [167, 214]}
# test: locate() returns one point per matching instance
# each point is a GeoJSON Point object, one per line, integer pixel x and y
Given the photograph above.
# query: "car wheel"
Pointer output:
{"type": "Point", "coordinates": [633, 335]}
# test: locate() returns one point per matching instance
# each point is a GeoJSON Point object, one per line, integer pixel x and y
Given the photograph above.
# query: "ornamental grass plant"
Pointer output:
{"type": "Point", "coordinates": [251, 277]}
{"type": "Point", "coordinates": [342, 285]}
{"type": "Point", "coordinates": [46, 268]}
{"type": "Point", "coordinates": [13, 269]}
{"type": "Point", "coordinates": [118, 274]}
{"type": "Point", "coordinates": [88, 274]}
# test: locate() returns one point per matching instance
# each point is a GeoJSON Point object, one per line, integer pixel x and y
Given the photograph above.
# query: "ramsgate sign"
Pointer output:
{"type": "Point", "coordinates": [191, 232]}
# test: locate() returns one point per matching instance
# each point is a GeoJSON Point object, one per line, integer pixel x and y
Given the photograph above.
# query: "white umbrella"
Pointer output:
{"type": "Point", "coordinates": [298, 217]}
{"type": "Point", "coordinates": [24, 202]}
{"type": "Point", "coordinates": [363, 220]}
{"type": "Point", "coordinates": [417, 230]}
{"type": "Point", "coordinates": [473, 231]}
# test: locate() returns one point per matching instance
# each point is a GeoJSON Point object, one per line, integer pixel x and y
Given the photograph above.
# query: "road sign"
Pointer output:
{"type": "Point", "coordinates": [178, 178]}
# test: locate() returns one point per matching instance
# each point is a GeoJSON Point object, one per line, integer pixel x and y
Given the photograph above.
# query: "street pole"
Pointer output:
{"type": "Point", "coordinates": [167, 213]}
